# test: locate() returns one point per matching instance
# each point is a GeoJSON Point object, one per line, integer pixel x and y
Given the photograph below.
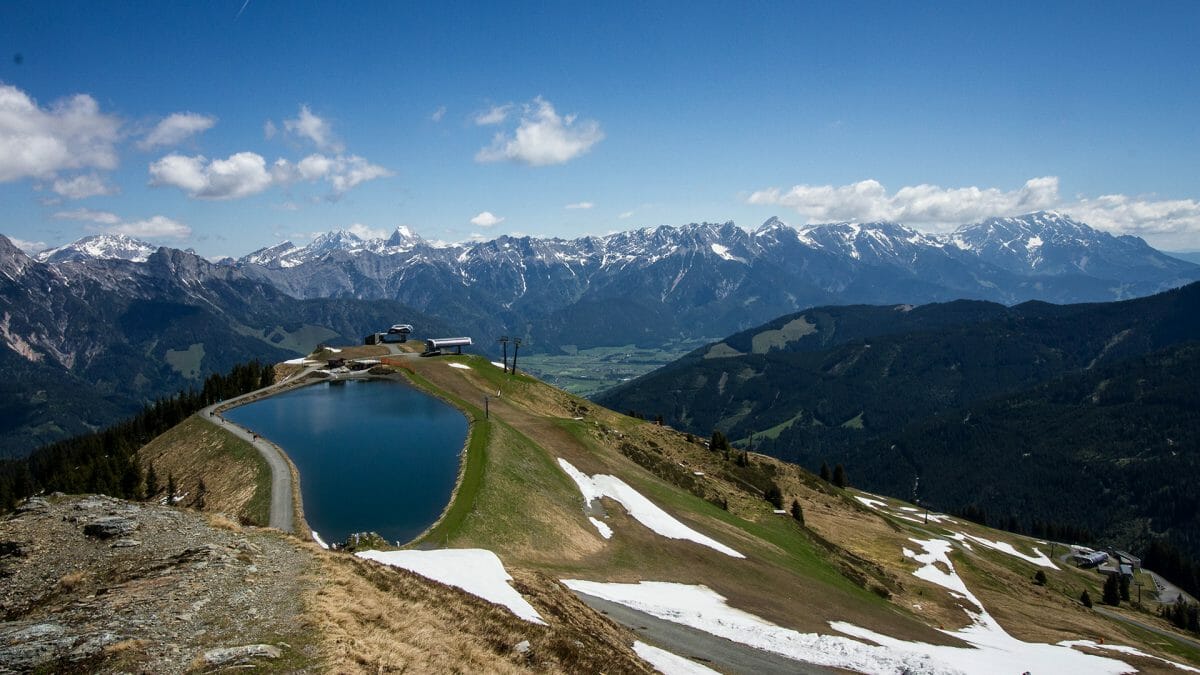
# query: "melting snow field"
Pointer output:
{"type": "Point", "coordinates": [498, 364]}
{"type": "Point", "coordinates": [601, 527]}
{"type": "Point", "coordinates": [642, 509]}
{"type": "Point", "coordinates": [702, 608]}
{"type": "Point", "coordinates": [667, 663]}
{"type": "Point", "coordinates": [1039, 559]}
{"type": "Point", "coordinates": [474, 570]}
{"type": "Point", "coordinates": [992, 649]}
{"type": "Point", "coordinates": [462, 366]}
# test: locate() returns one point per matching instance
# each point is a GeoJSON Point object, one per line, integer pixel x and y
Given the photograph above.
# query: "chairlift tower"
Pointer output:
{"type": "Point", "coordinates": [503, 340]}
{"type": "Point", "coordinates": [516, 348]}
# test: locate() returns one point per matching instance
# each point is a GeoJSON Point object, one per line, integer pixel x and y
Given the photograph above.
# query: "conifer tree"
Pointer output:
{"type": "Point", "coordinates": [718, 442]}
{"type": "Point", "coordinates": [775, 496]}
{"type": "Point", "coordinates": [825, 475]}
{"type": "Point", "coordinates": [152, 486]}
{"type": "Point", "coordinates": [1086, 599]}
{"type": "Point", "coordinates": [170, 489]}
{"type": "Point", "coordinates": [797, 512]}
{"type": "Point", "coordinates": [201, 495]}
{"type": "Point", "coordinates": [839, 476]}
{"type": "Point", "coordinates": [1039, 578]}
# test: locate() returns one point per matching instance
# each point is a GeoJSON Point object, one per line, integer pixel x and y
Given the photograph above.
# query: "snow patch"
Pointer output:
{"type": "Point", "coordinates": [1122, 649]}
{"type": "Point", "coordinates": [642, 509]}
{"type": "Point", "coordinates": [320, 542]}
{"type": "Point", "coordinates": [475, 570]}
{"type": "Point", "coordinates": [602, 527]}
{"type": "Point", "coordinates": [871, 503]}
{"type": "Point", "coordinates": [498, 364]}
{"type": "Point", "coordinates": [667, 663]}
{"type": "Point", "coordinates": [702, 608]}
{"type": "Point", "coordinates": [1039, 559]}
{"type": "Point", "coordinates": [460, 366]}
{"type": "Point", "coordinates": [723, 253]}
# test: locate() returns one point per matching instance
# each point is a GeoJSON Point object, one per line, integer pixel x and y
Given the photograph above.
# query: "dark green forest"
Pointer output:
{"type": "Point", "coordinates": [1076, 422]}
{"type": "Point", "coordinates": [106, 461]}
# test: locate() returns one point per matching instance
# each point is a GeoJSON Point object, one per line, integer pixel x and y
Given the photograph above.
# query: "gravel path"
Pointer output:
{"type": "Point", "coordinates": [282, 508]}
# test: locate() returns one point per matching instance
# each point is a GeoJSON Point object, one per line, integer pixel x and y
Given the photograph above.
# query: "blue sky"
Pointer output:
{"type": "Point", "coordinates": [194, 125]}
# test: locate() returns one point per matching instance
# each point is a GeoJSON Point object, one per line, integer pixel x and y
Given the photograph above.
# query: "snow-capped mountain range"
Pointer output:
{"type": "Point", "coordinates": [111, 321]}
{"type": "Point", "coordinates": [700, 279]}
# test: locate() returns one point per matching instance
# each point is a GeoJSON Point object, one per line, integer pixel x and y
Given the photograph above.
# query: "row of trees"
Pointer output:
{"type": "Point", "coordinates": [107, 461]}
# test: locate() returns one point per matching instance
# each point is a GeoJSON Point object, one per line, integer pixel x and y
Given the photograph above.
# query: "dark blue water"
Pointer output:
{"type": "Point", "coordinates": [373, 455]}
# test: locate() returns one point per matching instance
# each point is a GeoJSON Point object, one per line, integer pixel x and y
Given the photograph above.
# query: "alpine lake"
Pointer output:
{"type": "Point", "coordinates": [373, 455]}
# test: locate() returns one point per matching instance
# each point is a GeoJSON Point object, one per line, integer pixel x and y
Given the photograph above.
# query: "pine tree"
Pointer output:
{"type": "Point", "coordinates": [170, 489]}
{"type": "Point", "coordinates": [839, 476]}
{"type": "Point", "coordinates": [1112, 590]}
{"type": "Point", "coordinates": [775, 496]}
{"type": "Point", "coordinates": [1039, 578]}
{"type": "Point", "coordinates": [1086, 599]}
{"type": "Point", "coordinates": [201, 495]}
{"type": "Point", "coordinates": [825, 475]}
{"type": "Point", "coordinates": [718, 442]}
{"type": "Point", "coordinates": [152, 486]}
{"type": "Point", "coordinates": [797, 512]}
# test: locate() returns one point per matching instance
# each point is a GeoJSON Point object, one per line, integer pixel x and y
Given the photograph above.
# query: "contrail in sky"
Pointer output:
{"type": "Point", "coordinates": [239, 14]}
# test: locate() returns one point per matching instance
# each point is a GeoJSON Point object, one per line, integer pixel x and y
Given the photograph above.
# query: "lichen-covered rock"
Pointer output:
{"type": "Point", "coordinates": [108, 527]}
{"type": "Point", "coordinates": [226, 656]}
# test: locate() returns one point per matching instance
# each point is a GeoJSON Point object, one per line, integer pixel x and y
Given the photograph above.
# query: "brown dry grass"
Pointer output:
{"type": "Point", "coordinates": [223, 522]}
{"type": "Point", "coordinates": [197, 449]}
{"type": "Point", "coordinates": [372, 618]}
{"type": "Point", "coordinates": [72, 580]}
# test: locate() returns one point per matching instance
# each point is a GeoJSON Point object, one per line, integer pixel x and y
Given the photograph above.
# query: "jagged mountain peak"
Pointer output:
{"type": "Point", "coordinates": [104, 246]}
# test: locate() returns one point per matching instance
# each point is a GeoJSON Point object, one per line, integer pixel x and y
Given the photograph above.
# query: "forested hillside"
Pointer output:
{"type": "Point", "coordinates": [1080, 417]}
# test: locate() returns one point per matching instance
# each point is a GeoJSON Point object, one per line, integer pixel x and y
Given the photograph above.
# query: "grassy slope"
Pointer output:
{"type": "Point", "coordinates": [236, 476]}
{"type": "Point", "coordinates": [523, 507]}
{"type": "Point", "coordinates": [513, 499]}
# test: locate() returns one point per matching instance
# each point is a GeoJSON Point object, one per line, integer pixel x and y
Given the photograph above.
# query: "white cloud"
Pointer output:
{"type": "Point", "coordinates": [307, 125]}
{"type": "Point", "coordinates": [269, 130]}
{"type": "Point", "coordinates": [27, 246]}
{"type": "Point", "coordinates": [241, 175]}
{"type": "Point", "coordinates": [1168, 223]}
{"type": "Point", "coordinates": [342, 172]}
{"type": "Point", "coordinates": [494, 115]}
{"type": "Point", "coordinates": [102, 217]}
{"type": "Point", "coordinates": [154, 227]}
{"type": "Point", "coordinates": [543, 137]}
{"type": "Point", "coordinates": [476, 236]}
{"type": "Point", "coordinates": [364, 232]}
{"type": "Point", "coordinates": [83, 186]}
{"type": "Point", "coordinates": [580, 205]}
{"type": "Point", "coordinates": [486, 219]}
{"type": "Point", "coordinates": [438, 114]}
{"type": "Point", "coordinates": [625, 214]}
{"type": "Point", "coordinates": [37, 142]}
{"type": "Point", "coordinates": [924, 204]}
{"type": "Point", "coordinates": [176, 128]}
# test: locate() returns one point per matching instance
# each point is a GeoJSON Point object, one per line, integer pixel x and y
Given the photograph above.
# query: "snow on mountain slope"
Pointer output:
{"type": "Point", "coordinates": [100, 247]}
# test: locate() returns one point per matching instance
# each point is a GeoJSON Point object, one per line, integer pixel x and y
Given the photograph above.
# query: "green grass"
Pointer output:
{"type": "Point", "coordinates": [773, 432]}
{"type": "Point", "coordinates": [186, 362]}
{"type": "Point", "coordinates": [257, 511]}
{"type": "Point", "coordinates": [589, 371]}
{"type": "Point", "coordinates": [478, 435]}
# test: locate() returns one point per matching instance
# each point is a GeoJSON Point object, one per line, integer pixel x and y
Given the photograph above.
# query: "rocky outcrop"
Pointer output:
{"type": "Point", "coordinates": [191, 592]}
